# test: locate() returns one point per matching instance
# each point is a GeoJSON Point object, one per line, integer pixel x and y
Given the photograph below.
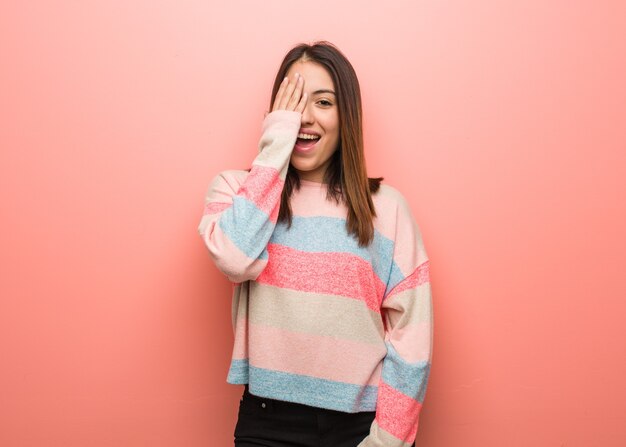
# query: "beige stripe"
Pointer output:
{"type": "Point", "coordinates": [239, 302]}
{"type": "Point", "coordinates": [411, 306]}
{"type": "Point", "coordinates": [311, 313]}
{"type": "Point", "coordinates": [276, 151]}
{"type": "Point", "coordinates": [381, 438]}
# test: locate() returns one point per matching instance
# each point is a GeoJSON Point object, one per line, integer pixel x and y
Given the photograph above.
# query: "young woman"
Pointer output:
{"type": "Point", "coordinates": [332, 308]}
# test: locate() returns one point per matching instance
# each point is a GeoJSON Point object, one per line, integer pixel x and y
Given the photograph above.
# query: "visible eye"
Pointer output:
{"type": "Point", "coordinates": [325, 102]}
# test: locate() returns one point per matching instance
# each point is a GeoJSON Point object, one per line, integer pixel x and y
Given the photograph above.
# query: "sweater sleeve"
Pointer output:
{"type": "Point", "coordinates": [408, 319]}
{"type": "Point", "coordinates": [239, 217]}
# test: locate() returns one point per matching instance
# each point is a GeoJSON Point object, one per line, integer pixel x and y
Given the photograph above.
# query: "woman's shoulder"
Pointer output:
{"type": "Point", "coordinates": [388, 195]}
{"type": "Point", "coordinates": [392, 210]}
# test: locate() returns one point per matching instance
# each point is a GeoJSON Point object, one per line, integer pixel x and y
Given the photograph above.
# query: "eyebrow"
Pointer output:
{"type": "Point", "coordinates": [318, 92]}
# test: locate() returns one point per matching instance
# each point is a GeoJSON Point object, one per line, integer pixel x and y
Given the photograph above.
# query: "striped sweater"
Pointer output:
{"type": "Point", "coordinates": [317, 319]}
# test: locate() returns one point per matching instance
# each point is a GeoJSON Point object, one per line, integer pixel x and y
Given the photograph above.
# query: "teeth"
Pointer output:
{"type": "Point", "coordinates": [306, 136]}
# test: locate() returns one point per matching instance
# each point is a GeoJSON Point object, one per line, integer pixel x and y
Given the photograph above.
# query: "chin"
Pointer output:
{"type": "Point", "coordinates": [302, 166]}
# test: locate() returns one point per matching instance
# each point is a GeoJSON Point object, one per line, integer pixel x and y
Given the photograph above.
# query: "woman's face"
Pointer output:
{"type": "Point", "coordinates": [320, 118]}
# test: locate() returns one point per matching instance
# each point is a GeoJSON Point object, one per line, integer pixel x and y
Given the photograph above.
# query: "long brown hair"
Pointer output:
{"type": "Point", "coordinates": [346, 175]}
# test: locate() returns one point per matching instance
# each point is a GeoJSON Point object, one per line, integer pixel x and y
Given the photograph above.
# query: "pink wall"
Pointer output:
{"type": "Point", "coordinates": [502, 122]}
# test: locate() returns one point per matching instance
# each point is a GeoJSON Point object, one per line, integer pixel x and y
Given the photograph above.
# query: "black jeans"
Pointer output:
{"type": "Point", "coordinates": [265, 422]}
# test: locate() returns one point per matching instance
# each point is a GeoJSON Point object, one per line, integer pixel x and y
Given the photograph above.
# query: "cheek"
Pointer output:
{"type": "Point", "coordinates": [331, 125]}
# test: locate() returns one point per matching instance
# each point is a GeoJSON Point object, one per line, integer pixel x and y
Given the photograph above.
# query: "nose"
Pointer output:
{"type": "Point", "coordinates": [307, 113]}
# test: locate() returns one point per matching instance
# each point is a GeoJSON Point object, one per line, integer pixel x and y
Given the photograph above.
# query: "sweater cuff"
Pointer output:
{"type": "Point", "coordinates": [288, 120]}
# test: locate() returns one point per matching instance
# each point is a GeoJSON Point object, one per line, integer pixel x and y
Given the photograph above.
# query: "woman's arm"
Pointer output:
{"type": "Point", "coordinates": [239, 217]}
{"type": "Point", "coordinates": [408, 316]}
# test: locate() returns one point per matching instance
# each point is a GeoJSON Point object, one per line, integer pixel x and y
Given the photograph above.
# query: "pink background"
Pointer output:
{"type": "Point", "coordinates": [502, 122]}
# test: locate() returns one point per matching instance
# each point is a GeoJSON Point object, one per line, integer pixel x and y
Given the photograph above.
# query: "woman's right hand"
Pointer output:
{"type": "Point", "coordinates": [290, 96]}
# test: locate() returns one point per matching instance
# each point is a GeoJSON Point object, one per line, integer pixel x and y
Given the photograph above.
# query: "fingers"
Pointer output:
{"type": "Point", "coordinates": [302, 104]}
{"type": "Point", "coordinates": [296, 94]}
{"type": "Point", "coordinates": [289, 95]}
{"type": "Point", "coordinates": [279, 94]}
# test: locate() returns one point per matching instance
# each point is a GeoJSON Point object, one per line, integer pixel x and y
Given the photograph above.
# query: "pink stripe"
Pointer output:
{"type": "Point", "coordinates": [397, 413]}
{"type": "Point", "coordinates": [419, 276]}
{"type": "Point", "coordinates": [309, 354]}
{"type": "Point", "coordinates": [413, 341]}
{"type": "Point", "coordinates": [240, 347]}
{"type": "Point", "coordinates": [215, 207]}
{"type": "Point", "coordinates": [323, 273]}
{"type": "Point", "coordinates": [263, 187]}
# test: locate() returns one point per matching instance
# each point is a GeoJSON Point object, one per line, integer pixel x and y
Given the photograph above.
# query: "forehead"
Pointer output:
{"type": "Point", "coordinates": [315, 75]}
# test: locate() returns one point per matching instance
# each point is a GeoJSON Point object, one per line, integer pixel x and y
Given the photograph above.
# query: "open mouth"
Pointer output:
{"type": "Point", "coordinates": [306, 141]}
